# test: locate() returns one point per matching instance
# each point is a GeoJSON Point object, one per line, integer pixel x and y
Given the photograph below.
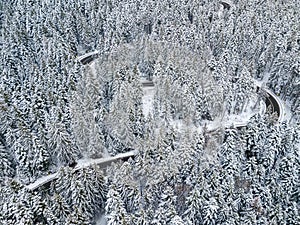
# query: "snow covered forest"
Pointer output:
{"type": "Point", "coordinates": [208, 146]}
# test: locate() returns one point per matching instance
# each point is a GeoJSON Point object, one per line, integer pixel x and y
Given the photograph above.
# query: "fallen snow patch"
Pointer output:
{"type": "Point", "coordinates": [148, 99]}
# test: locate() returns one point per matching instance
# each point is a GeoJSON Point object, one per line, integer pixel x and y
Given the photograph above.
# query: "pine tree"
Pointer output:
{"type": "Point", "coordinates": [115, 210]}
{"type": "Point", "coordinates": [166, 208]}
{"type": "Point", "coordinates": [50, 217]}
{"type": "Point", "coordinates": [41, 157]}
{"type": "Point", "coordinates": [60, 208]}
{"type": "Point", "coordinates": [24, 211]}
{"type": "Point", "coordinates": [87, 114]}
{"type": "Point", "coordinates": [177, 221]}
{"type": "Point", "coordinates": [62, 148]}
{"type": "Point", "coordinates": [5, 164]}
{"type": "Point", "coordinates": [140, 218]}
{"type": "Point", "coordinates": [88, 191]}
{"type": "Point", "coordinates": [194, 204]}
{"type": "Point", "coordinates": [77, 217]}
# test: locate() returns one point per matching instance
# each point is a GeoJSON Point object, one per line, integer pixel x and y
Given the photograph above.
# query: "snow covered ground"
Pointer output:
{"type": "Point", "coordinates": [148, 99]}
{"type": "Point", "coordinates": [243, 118]}
{"type": "Point", "coordinates": [101, 220]}
{"type": "Point", "coordinates": [227, 121]}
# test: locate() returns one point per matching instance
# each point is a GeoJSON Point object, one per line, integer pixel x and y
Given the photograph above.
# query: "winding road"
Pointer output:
{"type": "Point", "coordinates": [271, 101]}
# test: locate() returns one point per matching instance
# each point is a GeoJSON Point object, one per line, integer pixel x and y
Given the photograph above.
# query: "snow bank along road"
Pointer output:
{"type": "Point", "coordinates": [271, 100]}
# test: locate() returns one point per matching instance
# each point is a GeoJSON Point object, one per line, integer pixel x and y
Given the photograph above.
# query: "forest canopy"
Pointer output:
{"type": "Point", "coordinates": [207, 62]}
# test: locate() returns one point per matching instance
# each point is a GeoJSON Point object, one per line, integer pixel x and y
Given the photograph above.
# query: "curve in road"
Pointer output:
{"type": "Point", "coordinates": [275, 104]}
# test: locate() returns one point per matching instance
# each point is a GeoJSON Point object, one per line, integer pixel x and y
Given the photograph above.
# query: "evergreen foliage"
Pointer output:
{"type": "Point", "coordinates": [205, 59]}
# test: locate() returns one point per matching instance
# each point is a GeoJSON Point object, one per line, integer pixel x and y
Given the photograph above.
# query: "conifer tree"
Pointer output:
{"type": "Point", "coordinates": [60, 208]}
{"type": "Point", "coordinates": [166, 208]}
{"type": "Point", "coordinates": [61, 143]}
{"type": "Point", "coordinates": [77, 217]}
{"type": "Point", "coordinates": [115, 211]}
{"type": "Point", "coordinates": [192, 215]}
{"type": "Point", "coordinates": [5, 164]}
